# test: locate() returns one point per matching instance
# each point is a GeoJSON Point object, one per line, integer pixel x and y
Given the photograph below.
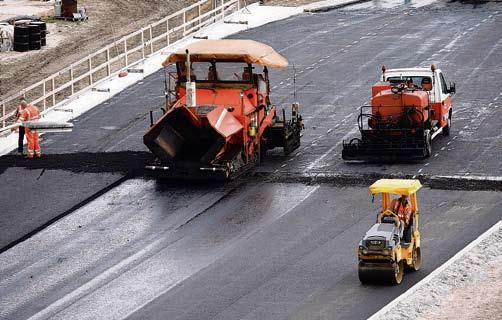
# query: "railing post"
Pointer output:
{"type": "Point", "coordinates": [53, 92]}
{"type": "Point", "coordinates": [200, 21]}
{"type": "Point", "coordinates": [125, 53]}
{"type": "Point", "coordinates": [90, 71]}
{"type": "Point", "coordinates": [151, 39]}
{"type": "Point", "coordinates": [222, 9]}
{"type": "Point", "coordinates": [168, 33]}
{"type": "Point", "coordinates": [3, 114]}
{"type": "Point", "coordinates": [238, 5]}
{"type": "Point", "coordinates": [71, 79]}
{"type": "Point", "coordinates": [143, 43]}
{"type": "Point", "coordinates": [43, 92]}
{"type": "Point", "coordinates": [108, 66]}
{"type": "Point", "coordinates": [184, 22]}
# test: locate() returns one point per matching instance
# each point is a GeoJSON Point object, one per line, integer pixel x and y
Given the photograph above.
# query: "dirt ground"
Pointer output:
{"type": "Point", "coordinates": [469, 288]}
{"type": "Point", "coordinates": [70, 41]}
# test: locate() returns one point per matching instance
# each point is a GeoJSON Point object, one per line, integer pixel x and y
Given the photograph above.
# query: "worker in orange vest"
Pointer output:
{"type": "Point", "coordinates": [30, 112]}
{"type": "Point", "coordinates": [402, 208]}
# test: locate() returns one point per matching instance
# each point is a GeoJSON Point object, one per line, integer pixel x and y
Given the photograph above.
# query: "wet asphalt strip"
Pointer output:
{"type": "Point", "coordinates": [131, 165]}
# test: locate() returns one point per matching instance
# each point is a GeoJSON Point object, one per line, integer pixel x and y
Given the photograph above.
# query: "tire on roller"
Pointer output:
{"type": "Point", "coordinates": [416, 263]}
{"type": "Point", "coordinates": [398, 273]}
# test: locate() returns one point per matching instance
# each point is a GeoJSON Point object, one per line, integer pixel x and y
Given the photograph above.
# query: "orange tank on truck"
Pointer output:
{"type": "Point", "coordinates": [389, 106]}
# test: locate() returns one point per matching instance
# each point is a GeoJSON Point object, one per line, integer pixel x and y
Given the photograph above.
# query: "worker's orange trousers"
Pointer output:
{"type": "Point", "coordinates": [33, 144]}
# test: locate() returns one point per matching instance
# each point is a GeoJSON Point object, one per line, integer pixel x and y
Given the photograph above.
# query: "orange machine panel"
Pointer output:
{"type": "Point", "coordinates": [392, 105]}
{"type": "Point", "coordinates": [379, 87]}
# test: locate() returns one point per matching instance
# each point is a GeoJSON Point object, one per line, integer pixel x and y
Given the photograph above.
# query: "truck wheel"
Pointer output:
{"type": "Point", "coordinates": [446, 129]}
{"type": "Point", "coordinates": [416, 259]}
{"type": "Point", "coordinates": [398, 272]}
{"type": "Point", "coordinates": [428, 143]}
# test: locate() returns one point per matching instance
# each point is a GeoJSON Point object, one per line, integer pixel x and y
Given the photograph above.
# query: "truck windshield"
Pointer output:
{"type": "Point", "coordinates": [417, 80]}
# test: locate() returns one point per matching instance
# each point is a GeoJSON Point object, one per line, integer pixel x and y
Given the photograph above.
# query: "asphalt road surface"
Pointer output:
{"type": "Point", "coordinates": [253, 249]}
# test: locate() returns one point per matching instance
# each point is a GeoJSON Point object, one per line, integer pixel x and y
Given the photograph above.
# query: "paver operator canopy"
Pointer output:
{"type": "Point", "coordinates": [247, 51]}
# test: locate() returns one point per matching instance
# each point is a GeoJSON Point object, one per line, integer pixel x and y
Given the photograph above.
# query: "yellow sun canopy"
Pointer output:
{"type": "Point", "coordinates": [227, 50]}
{"type": "Point", "coordinates": [396, 186]}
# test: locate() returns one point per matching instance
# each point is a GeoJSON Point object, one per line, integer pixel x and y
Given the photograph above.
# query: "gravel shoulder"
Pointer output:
{"type": "Point", "coordinates": [468, 288]}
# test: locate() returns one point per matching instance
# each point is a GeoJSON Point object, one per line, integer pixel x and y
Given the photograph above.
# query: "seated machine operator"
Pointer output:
{"type": "Point", "coordinates": [246, 74]}
{"type": "Point", "coordinates": [212, 75]}
{"type": "Point", "coordinates": [183, 73]}
{"type": "Point", "coordinates": [402, 208]}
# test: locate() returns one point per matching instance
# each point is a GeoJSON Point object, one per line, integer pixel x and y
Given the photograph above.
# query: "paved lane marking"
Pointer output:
{"type": "Point", "coordinates": [330, 150]}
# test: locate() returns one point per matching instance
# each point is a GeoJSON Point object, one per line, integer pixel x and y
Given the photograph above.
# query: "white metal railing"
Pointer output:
{"type": "Point", "coordinates": [119, 55]}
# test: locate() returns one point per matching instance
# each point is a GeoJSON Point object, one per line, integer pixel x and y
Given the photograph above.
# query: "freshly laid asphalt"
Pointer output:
{"type": "Point", "coordinates": [252, 249]}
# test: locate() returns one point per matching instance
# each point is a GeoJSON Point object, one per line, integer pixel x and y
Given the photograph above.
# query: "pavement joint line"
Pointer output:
{"type": "Point", "coordinates": [436, 272]}
{"type": "Point", "coordinates": [440, 182]}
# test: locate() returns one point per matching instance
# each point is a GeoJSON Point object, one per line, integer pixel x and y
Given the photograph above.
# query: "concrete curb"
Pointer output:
{"type": "Point", "coordinates": [313, 8]}
{"type": "Point", "coordinates": [436, 273]}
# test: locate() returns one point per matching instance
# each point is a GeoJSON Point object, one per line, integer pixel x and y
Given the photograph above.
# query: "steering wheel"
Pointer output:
{"type": "Point", "coordinates": [390, 213]}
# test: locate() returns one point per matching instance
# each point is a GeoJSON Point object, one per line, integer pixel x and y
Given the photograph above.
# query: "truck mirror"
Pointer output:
{"type": "Point", "coordinates": [452, 89]}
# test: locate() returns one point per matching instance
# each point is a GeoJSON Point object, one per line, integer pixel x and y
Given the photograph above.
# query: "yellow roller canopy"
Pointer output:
{"type": "Point", "coordinates": [396, 186]}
